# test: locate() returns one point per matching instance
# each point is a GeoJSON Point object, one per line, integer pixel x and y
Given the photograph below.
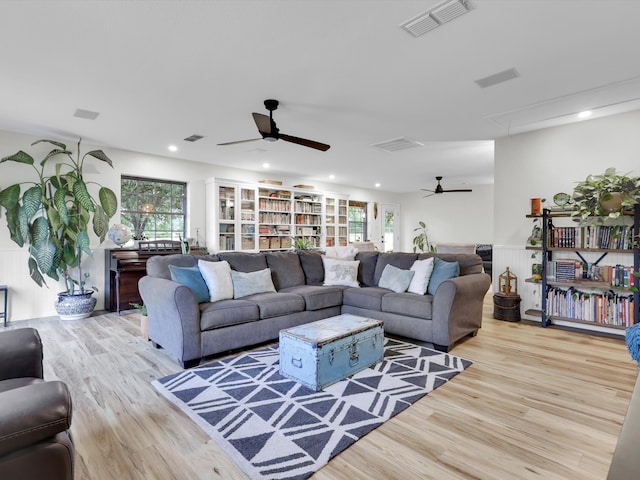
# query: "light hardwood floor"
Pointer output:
{"type": "Point", "coordinates": [536, 404]}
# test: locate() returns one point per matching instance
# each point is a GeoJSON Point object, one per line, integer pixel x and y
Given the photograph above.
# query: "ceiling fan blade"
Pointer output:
{"type": "Point", "coordinates": [241, 141]}
{"type": "Point", "coordinates": [307, 143]}
{"type": "Point", "coordinates": [430, 195]}
{"type": "Point", "coordinates": [459, 190]}
{"type": "Point", "coordinates": [263, 122]}
{"type": "Point", "coordinates": [425, 190]}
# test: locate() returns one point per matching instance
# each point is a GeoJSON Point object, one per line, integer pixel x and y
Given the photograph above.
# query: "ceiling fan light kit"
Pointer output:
{"type": "Point", "coordinates": [271, 133]}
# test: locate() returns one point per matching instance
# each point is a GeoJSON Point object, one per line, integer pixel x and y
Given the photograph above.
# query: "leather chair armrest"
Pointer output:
{"type": "Point", "coordinates": [33, 413]}
{"type": "Point", "coordinates": [20, 354]}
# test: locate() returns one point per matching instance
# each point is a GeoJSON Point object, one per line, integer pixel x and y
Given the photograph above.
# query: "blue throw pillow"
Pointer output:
{"type": "Point", "coordinates": [192, 278]}
{"type": "Point", "coordinates": [396, 279]}
{"type": "Point", "coordinates": [442, 271]}
{"type": "Point", "coordinates": [253, 282]}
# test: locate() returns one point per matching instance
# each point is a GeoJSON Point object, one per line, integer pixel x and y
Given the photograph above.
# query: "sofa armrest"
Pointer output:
{"type": "Point", "coordinates": [174, 317]}
{"type": "Point", "coordinates": [457, 307]}
{"type": "Point", "coordinates": [33, 413]}
{"type": "Point", "coordinates": [20, 354]}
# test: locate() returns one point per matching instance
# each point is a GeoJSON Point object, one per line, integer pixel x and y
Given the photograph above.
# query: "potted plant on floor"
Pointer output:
{"type": "Point", "coordinates": [52, 216]}
{"type": "Point", "coordinates": [605, 195]}
{"type": "Point", "coordinates": [421, 241]}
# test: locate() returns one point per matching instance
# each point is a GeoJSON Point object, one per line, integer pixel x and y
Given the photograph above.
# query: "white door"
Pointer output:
{"type": "Point", "coordinates": [390, 227]}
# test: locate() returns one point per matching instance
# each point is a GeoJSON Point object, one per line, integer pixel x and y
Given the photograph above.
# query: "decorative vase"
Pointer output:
{"type": "Point", "coordinates": [75, 306]}
{"type": "Point", "coordinates": [611, 202]}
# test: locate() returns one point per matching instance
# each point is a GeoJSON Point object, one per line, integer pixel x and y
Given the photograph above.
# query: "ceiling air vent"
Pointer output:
{"type": "Point", "coordinates": [194, 138]}
{"type": "Point", "coordinates": [396, 144]}
{"type": "Point", "coordinates": [86, 114]}
{"type": "Point", "coordinates": [443, 13]}
{"type": "Point", "coordinates": [497, 78]}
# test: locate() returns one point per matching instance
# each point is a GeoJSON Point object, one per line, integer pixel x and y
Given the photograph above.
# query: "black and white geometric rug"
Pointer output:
{"type": "Point", "coordinates": [275, 428]}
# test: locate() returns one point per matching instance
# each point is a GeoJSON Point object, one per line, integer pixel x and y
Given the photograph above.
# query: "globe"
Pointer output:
{"type": "Point", "coordinates": [119, 234]}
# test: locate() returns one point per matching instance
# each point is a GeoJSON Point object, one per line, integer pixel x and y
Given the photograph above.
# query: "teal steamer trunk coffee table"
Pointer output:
{"type": "Point", "coordinates": [322, 353]}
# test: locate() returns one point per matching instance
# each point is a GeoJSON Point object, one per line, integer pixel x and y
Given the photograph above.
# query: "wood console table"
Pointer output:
{"type": "Point", "coordinates": [125, 266]}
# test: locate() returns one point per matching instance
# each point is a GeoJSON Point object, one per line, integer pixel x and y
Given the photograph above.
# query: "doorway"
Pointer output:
{"type": "Point", "coordinates": [390, 219]}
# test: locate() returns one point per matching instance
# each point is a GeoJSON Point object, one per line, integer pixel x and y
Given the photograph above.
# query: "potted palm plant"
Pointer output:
{"type": "Point", "coordinates": [605, 195]}
{"type": "Point", "coordinates": [52, 216]}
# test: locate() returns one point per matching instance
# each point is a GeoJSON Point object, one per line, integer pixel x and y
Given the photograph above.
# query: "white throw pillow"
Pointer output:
{"type": "Point", "coordinates": [340, 272]}
{"type": "Point", "coordinates": [420, 280]}
{"type": "Point", "coordinates": [217, 276]}
{"type": "Point", "coordinates": [341, 253]}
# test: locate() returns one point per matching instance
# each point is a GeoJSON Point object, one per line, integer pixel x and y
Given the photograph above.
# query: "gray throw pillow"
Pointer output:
{"type": "Point", "coordinates": [396, 279]}
{"type": "Point", "coordinates": [253, 282]}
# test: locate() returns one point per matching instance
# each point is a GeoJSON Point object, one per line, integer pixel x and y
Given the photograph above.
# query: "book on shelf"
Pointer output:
{"type": "Point", "coordinates": [613, 237]}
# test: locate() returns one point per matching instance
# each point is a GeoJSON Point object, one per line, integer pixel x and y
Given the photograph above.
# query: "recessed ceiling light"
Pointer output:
{"type": "Point", "coordinates": [173, 148]}
{"type": "Point", "coordinates": [377, 185]}
{"type": "Point", "coordinates": [585, 114]}
{"type": "Point", "coordinates": [265, 165]}
{"type": "Point", "coordinates": [332, 176]}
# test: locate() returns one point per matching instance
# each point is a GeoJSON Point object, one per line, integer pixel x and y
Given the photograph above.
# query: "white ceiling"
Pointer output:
{"type": "Point", "coordinates": [345, 73]}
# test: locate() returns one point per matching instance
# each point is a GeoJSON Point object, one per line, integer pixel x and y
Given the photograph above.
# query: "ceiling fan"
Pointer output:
{"type": "Point", "coordinates": [270, 132]}
{"type": "Point", "coordinates": [439, 189]}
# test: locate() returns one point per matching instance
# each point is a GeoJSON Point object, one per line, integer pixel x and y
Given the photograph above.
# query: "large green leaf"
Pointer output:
{"type": "Point", "coordinates": [100, 223]}
{"type": "Point", "coordinates": [100, 155]}
{"type": "Point", "coordinates": [83, 242]}
{"type": "Point", "coordinates": [40, 234]}
{"type": "Point", "coordinates": [53, 153]}
{"type": "Point", "coordinates": [10, 196]}
{"type": "Point", "coordinates": [34, 272]}
{"type": "Point", "coordinates": [44, 255]}
{"type": "Point", "coordinates": [23, 223]}
{"type": "Point", "coordinates": [14, 224]}
{"type": "Point", "coordinates": [69, 256]}
{"type": "Point", "coordinates": [108, 200]}
{"type": "Point", "coordinates": [31, 201]}
{"type": "Point", "coordinates": [81, 194]}
{"type": "Point", "coordinates": [60, 145]}
{"type": "Point", "coordinates": [21, 157]}
{"type": "Point", "coordinates": [59, 202]}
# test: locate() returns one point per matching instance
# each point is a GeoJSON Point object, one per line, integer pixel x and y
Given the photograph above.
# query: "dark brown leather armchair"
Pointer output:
{"type": "Point", "coordinates": [35, 415]}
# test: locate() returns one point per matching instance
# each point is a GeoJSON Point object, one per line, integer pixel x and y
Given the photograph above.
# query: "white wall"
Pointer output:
{"type": "Point", "coordinates": [27, 300]}
{"type": "Point", "coordinates": [545, 162]}
{"type": "Point", "coordinates": [450, 217]}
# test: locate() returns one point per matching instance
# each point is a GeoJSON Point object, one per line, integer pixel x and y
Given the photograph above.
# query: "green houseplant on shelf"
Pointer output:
{"type": "Point", "coordinates": [605, 195]}
{"type": "Point", "coordinates": [52, 217]}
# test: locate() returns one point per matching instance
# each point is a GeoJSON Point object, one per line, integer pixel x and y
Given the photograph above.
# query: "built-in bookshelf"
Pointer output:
{"type": "Point", "coordinates": [588, 277]}
{"type": "Point", "coordinates": [336, 220]}
{"type": "Point", "coordinates": [258, 217]}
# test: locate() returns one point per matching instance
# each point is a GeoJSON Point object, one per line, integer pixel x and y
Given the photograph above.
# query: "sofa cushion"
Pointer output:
{"type": "Point", "coordinates": [217, 276]}
{"type": "Point", "coordinates": [249, 283]}
{"type": "Point", "coordinates": [442, 271]}
{"type": "Point", "coordinates": [367, 297]}
{"type": "Point", "coordinates": [226, 313]}
{"type": "Point", "coordinates": [469, 262]}
{"type": "Point", "coordinates": [192, 278]}
{"type": "Point", "coordinates": [420, 280]}
{"type": "Point", "coordinates": [367, 268]}
{"type": "Point", "coordinates": [158, 265]}
{"type": "Point", "coordinates": [340, 272]}
{"type": "Point", "coordinates": [317, 297]}
{"type": "Point", "coordinates": [245, 261]}
{"type": "Point", "coordinates": [396, 279]}
{"type": "Point", "coordinates": [397, 259]}
{"type": "Point", "coordinates": [408, 304]}
{"type": "Point", "coordinates": [312, 266]}
{"type": "Point", "coordinates": [276, 304]}
{"type": "Point", "coordinates": [286, 270]}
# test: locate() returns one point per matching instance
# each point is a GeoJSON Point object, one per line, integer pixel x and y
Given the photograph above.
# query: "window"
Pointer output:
{"type": "Point", "coordinates": [153, 209]}
{"type": "Point", "coordinates": [357, 221]}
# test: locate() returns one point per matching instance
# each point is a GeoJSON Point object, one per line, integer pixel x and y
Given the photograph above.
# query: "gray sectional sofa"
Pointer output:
{"type": "Point", "coordinates": [189, 330]}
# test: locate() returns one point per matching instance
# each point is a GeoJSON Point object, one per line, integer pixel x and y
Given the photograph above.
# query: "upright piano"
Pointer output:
{"type": "Point", "coordinates": [125, 266]}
